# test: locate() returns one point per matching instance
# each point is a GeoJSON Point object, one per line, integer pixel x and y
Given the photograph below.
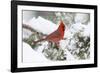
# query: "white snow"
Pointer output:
{"type": "Point", "coordinates": [81, 17]}
{"type": "Point", "coordinates": [78, 27]}
{"type": "Point", "coordinates": [42, 25]}
{"type": "Point", "coordinates": [69, 56]}
{"type": "Point", "coordinates": [26, 33]}
{"type": "Point", "coordinates": [87, 30]}
{"type": "Point", "coordinates": [30, 55]}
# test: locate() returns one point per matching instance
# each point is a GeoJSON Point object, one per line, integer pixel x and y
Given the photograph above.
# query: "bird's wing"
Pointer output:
{"type": "Point", "coordinates": [54, 35]}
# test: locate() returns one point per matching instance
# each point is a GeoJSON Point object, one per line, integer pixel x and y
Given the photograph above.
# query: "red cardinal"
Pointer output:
{"type": "Point", "coordinates": [55, 36]}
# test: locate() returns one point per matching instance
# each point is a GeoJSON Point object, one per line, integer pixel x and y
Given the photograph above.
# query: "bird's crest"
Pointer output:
{"type": "Point", "coordinates": [61, 26]}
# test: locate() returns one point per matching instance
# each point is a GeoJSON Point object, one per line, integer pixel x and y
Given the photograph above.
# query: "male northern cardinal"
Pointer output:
{"type": "Point", "coordinates": [55, 36]}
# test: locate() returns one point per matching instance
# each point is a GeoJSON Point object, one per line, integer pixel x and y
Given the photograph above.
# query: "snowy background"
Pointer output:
{"type": "Point", "coordinates": [38, 24]}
